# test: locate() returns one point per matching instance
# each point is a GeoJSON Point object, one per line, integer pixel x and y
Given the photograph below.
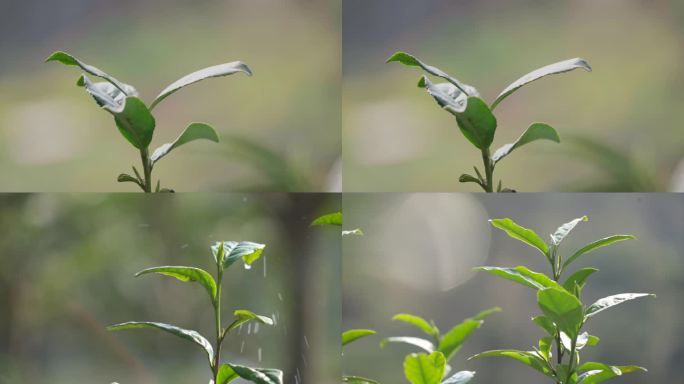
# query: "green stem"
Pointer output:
{"type": "Point", "coordinates": [489, 171]}
{"type": "Point", "coordinates": [147, 169]}
{"type": "Point", "coordinates": [219, 335]}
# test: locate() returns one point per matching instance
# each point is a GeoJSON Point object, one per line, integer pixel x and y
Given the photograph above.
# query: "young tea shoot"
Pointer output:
{"type": "Point", "coordinates": [134, 118]}
{"type": "Point", "coordinates": [225, 253]}
{"type": "Point", "coordinates": [431, 366]}
{"type": "Point", "coordinates": [475, 118]}
{"type": "Point", "coordinates": [564, 316]}
{"type": "Point", "coordinates": [348, 337]}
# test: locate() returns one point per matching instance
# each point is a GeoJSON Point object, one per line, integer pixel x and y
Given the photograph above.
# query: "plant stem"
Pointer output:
{"type": "Point", "coordinates": [217, 311]}
{"type": "Point", "coordinates": [147, 169]}
{"type": "Point", "coordinates": [489, 171]}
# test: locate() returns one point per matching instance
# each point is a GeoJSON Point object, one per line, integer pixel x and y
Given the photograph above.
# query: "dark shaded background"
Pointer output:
{"type": "Point", "coordinates": [417, 256]}
{"type": "Point", "coordinates": [66, 271]}
{"type": "Point", "coordinates": [620, 126]}
{"type": "Point", "coordinates": [280, 129]}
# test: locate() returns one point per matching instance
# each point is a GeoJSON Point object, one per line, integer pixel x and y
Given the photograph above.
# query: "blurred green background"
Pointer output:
{"type": "Point", "coordinates": [66, 271]}
{"type": "Point", "coordinates": [620, 126]}
{"type": "Point", "coordinates": [417, 256]}
{"type": "Point", "coordinates": [279, 129]}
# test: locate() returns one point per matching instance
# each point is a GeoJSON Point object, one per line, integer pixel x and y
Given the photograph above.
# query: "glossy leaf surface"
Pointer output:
{"type": "Point", "coordinates": [477, 123]}
{"type": "Point", "coordinates": [214, 71]}
{"type": "Point", "coordinates": [521, 233]}
{"type": "Point", "coordinates": [186, 274]}
{"type": "Point", "coordinates": [536, 131]}
{"type": "Point", "coordinates": [194, 131]}
{"type": "Point", "coordinates": [551, 69]}
{"type": "Point", "coordinates": [595, 245]}
{"type": "Point", "coordinates": [420, 368]}
{"type": "Point", "coordinates": [186, 334]}
{"type": "Point", "coordinates": [611, 301]}
{"type": "Point", "coordinates": [563, 308]}
{"type": "Point", "coordinates": [355, 334]}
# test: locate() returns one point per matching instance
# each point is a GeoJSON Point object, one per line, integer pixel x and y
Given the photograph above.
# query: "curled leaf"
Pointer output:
{"type": "Point", "coordinates": [194, 131]}
{"type": "Point", "coordinates": [536, 131]}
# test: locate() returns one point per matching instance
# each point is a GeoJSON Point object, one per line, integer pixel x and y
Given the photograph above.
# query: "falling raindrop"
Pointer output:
{"type": "Point", "coordinates": [242, 346]}
{"type": "Point", "coordinates": [264, 266]}
{"type": "Point", "coordinates": [280, 297]}
{"type": "Point", "coordinates": [259, 353]}
{"type": "Point", "coordinates": [249, 329]}
{"type": "Point", "coordinates": [240, 329]}
{"type": "Point", "coordinates": [306, 363]}
{"type": "Point", "coordinates": [306, 341]}
{"type": "Point", "coordinates": [248, 266]}
{"type": "Point", "coordinates": [256, 328]}
{"type": "Point", "coordinates": [185, 246]}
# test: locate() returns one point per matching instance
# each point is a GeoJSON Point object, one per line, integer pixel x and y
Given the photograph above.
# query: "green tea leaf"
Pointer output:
{"type": "Point", "coordinates": [565, 229]}
{"type": "Point", "coordinates": [561, 307]}
{"type": "Point", "coordinates": [424, 369]}
{"type": "Point", "coordinates": [258, 375]}
{"type": "Point", "coordinates": [559, 67]}
{"type": "Point", "coordinates": [186, 334]}
{"type": "Point", "coordinates": [70, 60]}
{"type": "Point", "coordinates": [135, 122]}
{"type": "Point", "coordinates": [578, 278]}
{"type": "Point", "coordinates": [186, 274]}
{"type": "Point", "coordinates": [461, 377]}
{"type": "Point", "coordinates": [412, 61]}
{"type": "Point", "coordinates": [447, 95]}
{"type": "Point", "coordinates": [357, 380]}
{"type": "Point", "coordinates": [228, 252]}
{"type": "Point", "coordinates": [596, 244]}
{"type": "Point", "coordinates": [423, 344]}
{"type": "Point", "coordinates": [486, 313]}
{"type": "Point", "coordinates": [419, 322]}
{"type": "Point", "coordinates": [531, 359]}
{"type": "Point", "coordinates": [355, 334]}
{"type": "Point", "coordinates": [544, 323]}
{"type": "Point", "coordinates": [194, 131]}
{"type": "Point", "coordinates": [334, 218]}
{"type": "Point", "coordinates": [536, 131]}
{"type": "Point", "coordinates": [477, 123]}
{"type": "Point", "coordinates": [214, 71]}
{"type": "Point", "coordinates": [593, 373]}
{"type": "Point", "coordinates": [545, 344]}
{"type": "Point", "coordinates": [105, 94]}
{"type": "Point", "coordinates": [611, 301]}
{"type": "Point", "coordinates": [466, 178]}
{"type": "Point", "coordinates": [453, 340]}
{"type": "Point", "coordinates": [522, 275]}
{"type": "Point", "coordinates": [523, 234]}
{"type": "Point", "coordinates": [226, 374]}
{"type": "Point", "coordinates": [126, 178]}
{"type": "Point", "coordinates": [243, 316]}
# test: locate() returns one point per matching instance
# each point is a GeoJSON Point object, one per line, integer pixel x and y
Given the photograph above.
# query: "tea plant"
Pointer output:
{"type": "Point", "coordinates": [432, 365]}
{"type": "Point", "coordinates": [226, 253]}
{"type": "Point", "coordinates": [134, 118]}
{"type": "Point", "coordinates": [564, 316]}
{"type": "Point", "coordinates": [348, 337]}
{"type": "Point", "coordinates": [335, 219]}
{"type": "Point", "coordinates": [475, 118]}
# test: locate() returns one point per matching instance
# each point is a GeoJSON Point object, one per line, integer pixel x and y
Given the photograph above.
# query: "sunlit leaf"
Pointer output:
{"type": "Point", "coordinates": [70, 60]}
{"type": "Point", "coordinates": [228, 252]}
{"type": "Point", "coordinates": [563, 308]}
{"type": "Point", "coordinates": [135, 122]}
{"type": "Point", "coordinates": [226, 374]}
{"type": "Point", "coordinates": [596, 244]}
{"type": "Point", "coordinates": [477, 123]}
{"type": "Point", "coordinates": [214, 71]}
{"type": "Point", "coordinates": [559, 67]}
{"type": "Point", "coordinates": [522, 275]}
{"type": "Point", "coordinates": [194, 131]}
{"type": "Point", "coordinates": [334, 218]}
{"type": "Point", "coordinates": [243, 316]}
{"type": "Point", "coordinates": [411, 61]}
{"type": "Point", "coordinates": [258, 375]}
{"type": "Point", "coordinates": [461, 377]}
{"type": "Point", "coordinates": [578, 278]}
{"type": "Point", "coordinates": [453, 340]}
{"type": "Point", "coordinates": [531, 359]}
{"type": "Point", "coordinates": [523, 234]}
{"type": "Point", "coordinates": [420, 368]}
{"type": "Point", "coordinates": [418, 322]}
{"type": "Point", "coordinates": [611, 301]}
{"type": "Point", "coordinates": [423, 344]}
{"type": "Point", "coordinates": [186, 334]}
{"type": "Point", "coordinates": [355, 334]}
{"type": "Point", "coordinates": [186, 274]}
{"type": "Point", "coordinates": [536, 131]}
